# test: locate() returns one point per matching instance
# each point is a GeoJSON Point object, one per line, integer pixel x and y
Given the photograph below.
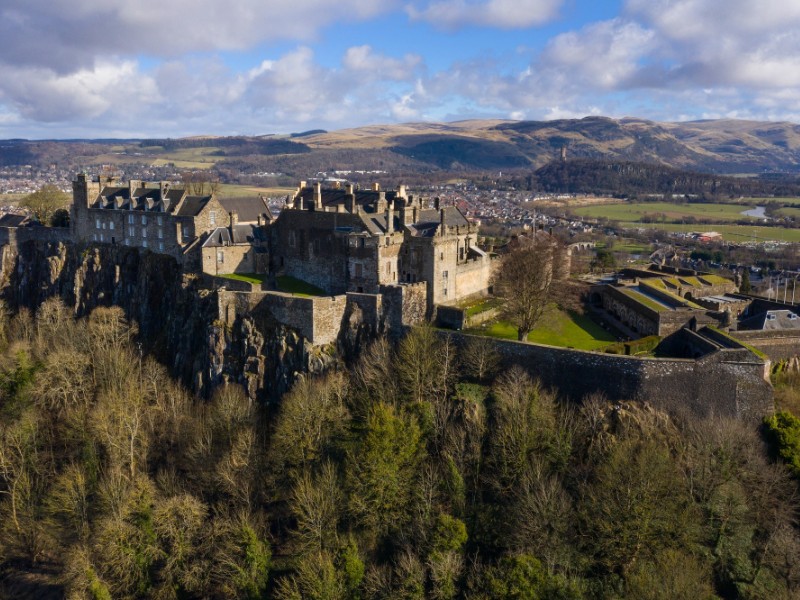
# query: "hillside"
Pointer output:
{"type": "Point", "coordinates": [721, 146]}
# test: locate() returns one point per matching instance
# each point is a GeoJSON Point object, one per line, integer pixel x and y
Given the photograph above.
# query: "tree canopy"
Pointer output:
{"type": "Point", "coordinates": [45, 204]}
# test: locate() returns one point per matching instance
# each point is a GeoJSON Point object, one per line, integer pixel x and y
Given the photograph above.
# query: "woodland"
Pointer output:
{"type": "Point", "coordinates": [421, 471]}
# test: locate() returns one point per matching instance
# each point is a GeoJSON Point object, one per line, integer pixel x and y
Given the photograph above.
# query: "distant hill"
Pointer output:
{"type": "Point", "coordinates": [720, 147]}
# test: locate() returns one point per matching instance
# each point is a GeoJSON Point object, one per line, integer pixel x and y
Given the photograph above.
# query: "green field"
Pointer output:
{"type": "Point", "coordinates": [557, 328]}
{"type": "Point", "coordinates": [733, 233]}
{"type": "Point", "coordinates": [630, 212]}
{"type": "Point", "coordinates": [231, 190]}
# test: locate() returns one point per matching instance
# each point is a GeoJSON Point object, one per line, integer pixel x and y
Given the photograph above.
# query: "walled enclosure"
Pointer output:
{"type": "Point", "coordinates": [730, 383]}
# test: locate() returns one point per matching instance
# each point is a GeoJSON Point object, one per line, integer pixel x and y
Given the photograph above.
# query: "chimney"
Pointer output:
{"type": "Point", "coordinates": [318, 196]}
{"type": "Point", "coordinates": [134, 184]}
{"type": "Point", "coordinates": [390, 218]}
{"type": "Point", "coordinates": [234, 220]}
{"type": "Point", "coordinates": [436, 203]}
{"type": "Point", "coordinates": [441, 219]}
{"type": "Point", "coordinates": [376, 187]}
{"type": "Point", "coordinates": [380, 204]}
{"type": "Point", "coordinates": [401, 190]}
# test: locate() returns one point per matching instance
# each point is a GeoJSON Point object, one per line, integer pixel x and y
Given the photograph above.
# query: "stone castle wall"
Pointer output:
{"type": "Point", "coordinates": [728, 382]}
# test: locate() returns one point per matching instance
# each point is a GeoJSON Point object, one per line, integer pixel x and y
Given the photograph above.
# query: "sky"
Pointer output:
{"type": "Point", "coordinates": [173, 68]}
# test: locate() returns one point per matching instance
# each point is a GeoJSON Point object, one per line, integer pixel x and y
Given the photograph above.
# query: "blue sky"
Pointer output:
{"type": "Point", "coordinates": [156, 68]}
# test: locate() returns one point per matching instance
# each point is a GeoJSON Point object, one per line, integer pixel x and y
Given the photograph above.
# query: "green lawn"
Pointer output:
{"type": "Point", "coordinates": [292, 285]}
{"type": "Point", "coordinates": [248, 277]}
{"type": "Point", "coordinates": [473, 307]}
{"type": "Point", "coordinates": [557, 328]}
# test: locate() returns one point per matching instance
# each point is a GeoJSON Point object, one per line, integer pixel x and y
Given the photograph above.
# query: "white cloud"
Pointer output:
{"type": "Point", "coordinates": [506, 14]}
{"type": "Point", "coordinates": [364, 59]}
{"type": "Point", "coordinates": [43, 95]}
{"type": "Point", "coordinates": [66, 35]}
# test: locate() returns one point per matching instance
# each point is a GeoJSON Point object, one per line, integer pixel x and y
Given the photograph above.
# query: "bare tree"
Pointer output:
{"type": "Point", "coordinates": [525, 282]}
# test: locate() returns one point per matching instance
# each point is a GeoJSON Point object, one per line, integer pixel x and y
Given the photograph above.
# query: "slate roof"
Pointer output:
{"type": "Point", "coordinates": [247, 233]}
{"type": "Point", "coordinates": [192, 206]}
{"type": "Point", "coordinates": [142, 198]}
{"type": "Point", "coordinates": [13, 220]}
{"type": "Point", "coordinates": [334, 197]}
{"type": "Point", "coordinates": [248, 209]}
{"type": "Point", "coordinates": [772, 320]}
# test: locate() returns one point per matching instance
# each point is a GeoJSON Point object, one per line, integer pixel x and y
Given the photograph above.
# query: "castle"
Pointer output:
{"type": "Point", "coordinates": [339, 239]}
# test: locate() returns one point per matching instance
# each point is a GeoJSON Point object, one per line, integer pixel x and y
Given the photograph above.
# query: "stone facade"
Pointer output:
{"type": "Point", "coordinates": [351, 240]}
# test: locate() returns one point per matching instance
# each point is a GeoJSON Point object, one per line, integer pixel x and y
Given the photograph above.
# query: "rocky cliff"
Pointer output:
{"type": "Point", "coordinates": [180, 321]}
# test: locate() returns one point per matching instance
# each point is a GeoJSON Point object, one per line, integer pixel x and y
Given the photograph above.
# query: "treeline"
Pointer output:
{"type": "Point", "coordinates": [580, 176]}
{"type": "Point", "coordinates": [231, 146]}
{"type": "Point", "coordinates": [425, 471]}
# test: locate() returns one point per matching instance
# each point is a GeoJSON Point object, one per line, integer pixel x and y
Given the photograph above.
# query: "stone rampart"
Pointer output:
{"type": "Point", "coordinates": [727, 382]}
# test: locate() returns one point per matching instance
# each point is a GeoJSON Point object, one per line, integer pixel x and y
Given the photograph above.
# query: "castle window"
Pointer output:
{"type": "Point", "coordinates": [103, 225]}
{"type": "Point", "coordinates": [186, 232]}
{"type": "Point", "coordinates": [220, 256]}
{"type": "Point", "coordinates": [131, 231]}
{"type": "Point", "coordinates": [144, 219]}
{"type": "Point", "coordinates": [97, 223]}
{"type": "Point", "coordinates": [94, 237]}
{"type": "Point", "coordinates": [161, 246]}
{"type": "Point", "coordinates": [101, 238]}
{"type": "Point", "coordinates": [444, 274]}
{"type": "Point", "coordinates": [160, 220]}
{"type": "Point", "coordinates": [130, 219]}
{"type": "Point", "coordinates": [144, 243]}
{"type": "Point", "coordinates": [160, 233]}
{"type": "Point", "coordinates": [388, 267]}
{"type": "Point", "coordinates": [144, 231]}
{"type": "Point", "coordinates": [212, 217]}
{"type": "Point", "coordinates": [111, 225]}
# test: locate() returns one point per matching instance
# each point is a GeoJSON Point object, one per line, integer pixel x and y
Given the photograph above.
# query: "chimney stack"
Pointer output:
{"type": "Point", "coordinates": [441, 219]}
{"type": "Point", "coordinates": [390, 218]}
{"type": "Point", "coordinates": [376, 187]}
{"type": "Point", "coordinates": [318, 196]}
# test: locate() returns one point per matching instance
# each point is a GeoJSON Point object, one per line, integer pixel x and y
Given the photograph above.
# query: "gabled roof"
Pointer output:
{"type": "Point", "coordinates": [192, 206]}
{"type": "Point", "coordinates": [248, 209]}
{"type": "Point", "coordinates": [247, 233]}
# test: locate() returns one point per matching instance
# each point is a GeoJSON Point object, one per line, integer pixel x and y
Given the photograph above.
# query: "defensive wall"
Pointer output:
{"type": "Point", "coordinates": [19, 235]}
{"type": "Point", "coordinates": [320, 319]}
{"type": "Point", "coordinates": [727, 382]}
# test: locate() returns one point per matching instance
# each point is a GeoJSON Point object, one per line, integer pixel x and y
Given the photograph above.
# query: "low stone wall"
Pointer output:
{"type": "Point", "coordinates": [778, 345]}
{"type": "Point", "coordinates": [727, 382]}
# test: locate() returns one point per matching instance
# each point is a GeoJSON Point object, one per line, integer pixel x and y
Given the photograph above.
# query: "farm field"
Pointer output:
{"type": "Point", "coordinates": [733, 233]}
{"type": "Point", "coordinates": [630, 212]}
{"type": "Point", "coordinates": [232, 191]}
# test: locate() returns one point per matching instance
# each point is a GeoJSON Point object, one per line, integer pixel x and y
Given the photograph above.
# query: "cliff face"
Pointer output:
{"type": "Point", "coordinates": [179, 322]}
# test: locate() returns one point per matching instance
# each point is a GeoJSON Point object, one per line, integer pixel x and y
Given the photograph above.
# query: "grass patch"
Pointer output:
{"type": "Point", "coordinates": [476, 307]}
{"type": "Point", "coordinates": [292, 285]}
{"type": "Point", "coordinates": [248, 277]}
{"type": "Point", "coordinates": [556, 328]}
